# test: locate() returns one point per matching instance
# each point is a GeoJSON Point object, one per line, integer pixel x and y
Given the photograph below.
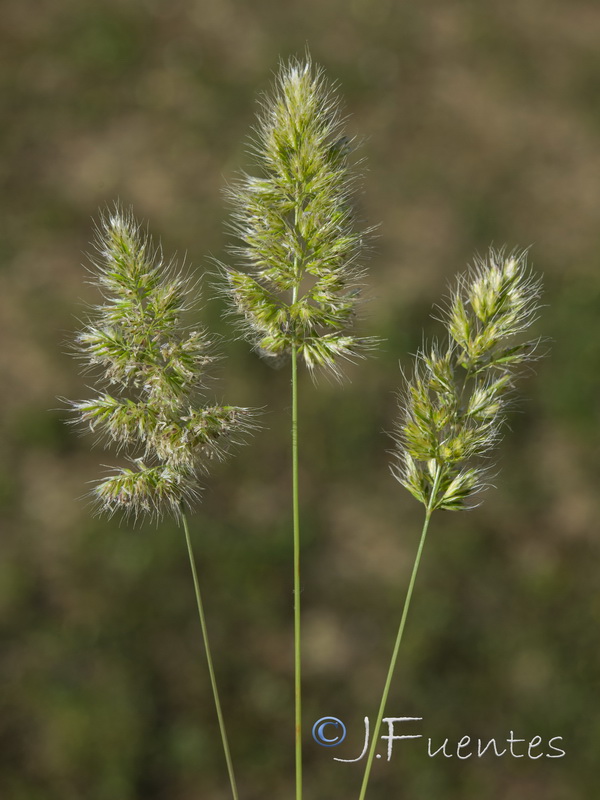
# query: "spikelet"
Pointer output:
{"type": "Point", "coordinates": [300, 252]}
{"type": "Point", "coordinates": [151, 370]}
{"type": "Point", "coordinates": [453, 407]}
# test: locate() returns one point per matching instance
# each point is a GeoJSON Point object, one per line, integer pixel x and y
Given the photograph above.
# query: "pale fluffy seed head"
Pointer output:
{"type": "Point", "coordinates": [453, 406]}
{"type": "Point", "coordinates": [150, 369]}
{"type": "Point", "coordinates": [299, 249]}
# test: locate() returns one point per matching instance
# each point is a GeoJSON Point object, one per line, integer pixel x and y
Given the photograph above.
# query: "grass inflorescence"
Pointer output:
{"type": "Point", "coordinates": [297, 288]}
{"type": "Point", "coordinates": [151, 369]}
{"type": "Point", "coordinates": [300, 249]}
{"type": "Point", "coordinates": [454, 405]}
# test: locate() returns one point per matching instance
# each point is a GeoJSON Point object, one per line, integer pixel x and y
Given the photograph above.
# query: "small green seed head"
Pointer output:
{"type": "Point", "coordinates": [137, 345]}
{"type": "Point", "coordinates": [454, 405]}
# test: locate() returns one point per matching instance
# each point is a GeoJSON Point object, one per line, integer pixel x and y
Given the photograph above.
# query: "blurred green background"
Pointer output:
{"type": "Point", "coordinates": [481, 125]}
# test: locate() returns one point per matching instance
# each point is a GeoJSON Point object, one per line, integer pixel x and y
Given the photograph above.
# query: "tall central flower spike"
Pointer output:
{"type": "Point", "coordinates": [299, 281]}
{"type": "Point", "coordinates": [151, 368]}
{"type": "Point", "coordinates": [300, 250]}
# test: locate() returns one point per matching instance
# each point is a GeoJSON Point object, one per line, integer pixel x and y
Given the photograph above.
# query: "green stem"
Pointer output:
{"type": "Point", "coordinates": [213, 680]}
{"type": "Point", "coordinates": [392, 667]}
{"type": "Point", "coordinates": [296, 515]}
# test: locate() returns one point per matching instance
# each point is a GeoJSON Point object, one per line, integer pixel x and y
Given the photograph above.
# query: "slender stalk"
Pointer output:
{"type": "Point", "coordinates": [296, 516]}
{"type": "Point", "coordinates": [392, 667]}
{"type": "Point", "coordinates": [211, 670]}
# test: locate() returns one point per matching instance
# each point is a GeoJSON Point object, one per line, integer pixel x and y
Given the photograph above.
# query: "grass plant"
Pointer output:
{"type": "Point", "coordinates": [151, 369]}
{"type": "Point", "coordinates": [300, 252]}
{"type": "Point", "coordinates": [454, 404]}
{"type": "Point", "coordinates": [295, 292]}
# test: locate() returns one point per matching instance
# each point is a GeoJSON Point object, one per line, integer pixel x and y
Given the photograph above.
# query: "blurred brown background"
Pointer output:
{"type": "Point", "coordinates": [481, 123]}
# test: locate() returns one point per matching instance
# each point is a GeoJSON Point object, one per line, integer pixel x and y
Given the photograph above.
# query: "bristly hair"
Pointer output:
{"type": "Point", "coordinates": [155, 368]}
{"type": "Point", "coordinates": [453, 406]}
{"type": "Point", "coordinates": [300, 251]}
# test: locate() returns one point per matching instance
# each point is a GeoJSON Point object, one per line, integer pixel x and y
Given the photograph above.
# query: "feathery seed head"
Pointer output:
{"type": "Point", "coordinates": [496, 301]}
{"type": "Point", "coordinates": [300, 251]}
{"type": "Point", "coordinates": [137, 343]}
{"type": "Point", "coordinates": [454, 404]}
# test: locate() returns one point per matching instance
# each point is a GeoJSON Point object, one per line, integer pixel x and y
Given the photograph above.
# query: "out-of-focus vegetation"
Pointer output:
{"type": "Point", "coordinates": [481, 125]}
